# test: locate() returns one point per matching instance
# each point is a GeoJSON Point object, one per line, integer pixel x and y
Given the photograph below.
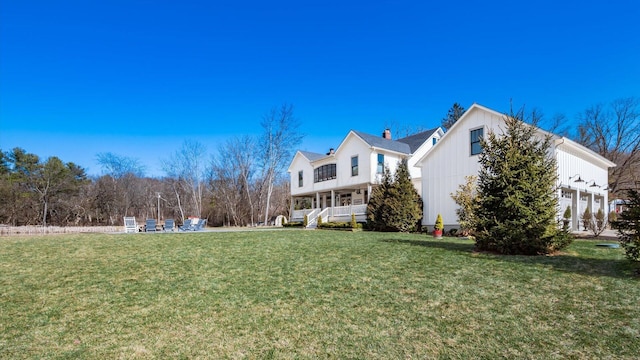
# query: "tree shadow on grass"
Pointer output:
{"type": "Point", "coordinates": [570, 262]}
{"type": "Point", "coordinates": [458, 246]}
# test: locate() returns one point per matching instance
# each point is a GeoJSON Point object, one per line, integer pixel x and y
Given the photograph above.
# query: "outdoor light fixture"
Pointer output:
{"type": "Point", "coordinates": [594, 184]}
{"type": "Point", "coordinates": [578, 180]}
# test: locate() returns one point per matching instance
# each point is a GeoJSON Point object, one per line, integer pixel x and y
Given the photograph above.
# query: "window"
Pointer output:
{"type": "Point", "coordinates": [476, 135]}
{"type": "Point", "coordinates": [380, 168]}
{"type": "Point", "coordinates": [354, 166]}
{"type": "Point", "coordinates": [324, 173]}
{"type": "Point", "coordinates": [300, 178]}
{"type": "Point", "coordinates": [434, 141]}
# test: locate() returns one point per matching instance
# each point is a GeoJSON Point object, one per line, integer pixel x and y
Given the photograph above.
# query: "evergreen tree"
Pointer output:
{"type": "Point", "coordinates": [517, 206]}
{"type": "Point", "coordinates": [395, 205]}
{"type": "Point", "coordinates": [453, 115]}
{"type": "Point", "coordinates": [377, 206]}
{"type": "Point", "coordinates": [628, 225]}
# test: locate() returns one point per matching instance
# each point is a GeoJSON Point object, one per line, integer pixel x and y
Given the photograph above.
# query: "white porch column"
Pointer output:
{"type": "Point", "coordinates": [576, 215]}
{"type": "Point", "coordinates": [291, 208]}
{"type": "Point", "coordinates": [368, 192]}
{"type": "Point", "coordinates": [318, 206]}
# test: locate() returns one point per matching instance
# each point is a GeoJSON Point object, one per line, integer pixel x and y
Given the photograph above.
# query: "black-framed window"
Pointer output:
{"type": "Point", "coordinates": [380, 167]}
{"type": "Point", "coordinates": [300, 178]}
{"type": "Point", "coordinates": [354, 166]}
{"type": "Point", "coordinates": [324, 173]}
{"type": "Point", "coordinates": [476, 135]}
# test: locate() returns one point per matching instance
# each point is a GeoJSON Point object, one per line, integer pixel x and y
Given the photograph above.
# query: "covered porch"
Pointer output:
{"type": "Point", "coordinates": [579, 200]}
{"type": "Point", "coordinates": [332, 205]}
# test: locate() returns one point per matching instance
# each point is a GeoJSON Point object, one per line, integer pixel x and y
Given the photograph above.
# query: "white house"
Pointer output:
{"type": "Point", "coordinates": [582, 174]}
{"type": "Point", "coordinates": [337, 184]}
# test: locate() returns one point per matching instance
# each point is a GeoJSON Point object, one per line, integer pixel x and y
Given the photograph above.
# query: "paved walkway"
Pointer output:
{"type": "Point", "coordinates": [608, 234]}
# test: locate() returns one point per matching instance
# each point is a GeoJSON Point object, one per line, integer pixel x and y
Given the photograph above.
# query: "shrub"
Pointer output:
{"type": "Point", "coordinates": [439, 224]}
{"type": "Point", "coordinates": [319, 220]}
{"type": "Point", "coordinates": [587, 219]}
{"type": "Point", "coordinates": [354, 224]}
{"type": "Point", "coordinates": [613, 217]}
{"type": "Point", "coordinates": [339, 225]}
{"type": "Point", "coordinates": [599, 224]}
{"type": "Point", "coordinates": [293, 224]}
{"type": "Point", "coordinates": [566, 218]}
{"type": "Point", "coordinates": [466, 197]}
{"type": "Point", "coordinates": [305, 222]}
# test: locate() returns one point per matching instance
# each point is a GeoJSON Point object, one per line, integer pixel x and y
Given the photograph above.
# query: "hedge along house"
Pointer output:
{"type": "Point", "coordinates": [339, 183]}
{"type": "Point", "coordinates": [582, 175]}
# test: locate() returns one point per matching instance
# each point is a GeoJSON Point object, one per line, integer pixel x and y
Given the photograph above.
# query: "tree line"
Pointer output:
{"type": "Point", "coordinates": [242, 184]}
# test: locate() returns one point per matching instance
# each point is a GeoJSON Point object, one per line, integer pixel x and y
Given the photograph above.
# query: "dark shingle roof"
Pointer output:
{"type": "Point", "coordinates": [312, 156]}
{"type": "Point", "coordinates": [378, 141]}
{"type": "Point", "coordinates": [406, 145]}
{"type": "Point", "coordinates": [416, 140]}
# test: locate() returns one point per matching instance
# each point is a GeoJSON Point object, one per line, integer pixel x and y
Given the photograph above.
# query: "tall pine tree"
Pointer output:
{"type": "Point", "coordinates": [453, 115]}
{"type": "Point", "coordinates": [517, 203]}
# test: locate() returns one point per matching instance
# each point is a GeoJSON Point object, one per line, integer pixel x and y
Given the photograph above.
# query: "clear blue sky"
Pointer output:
{"type": "Point", "coordinates": [137, 78]}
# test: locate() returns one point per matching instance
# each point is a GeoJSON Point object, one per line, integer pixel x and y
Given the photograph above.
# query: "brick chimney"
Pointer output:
{"type": "Point", "coordinates": [386, 134]}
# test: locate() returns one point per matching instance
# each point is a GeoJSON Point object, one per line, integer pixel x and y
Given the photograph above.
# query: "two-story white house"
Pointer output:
{"type": "Point", "coordinates": [582, 175]}
{"type": "Point", "coordinates": [339, 183]}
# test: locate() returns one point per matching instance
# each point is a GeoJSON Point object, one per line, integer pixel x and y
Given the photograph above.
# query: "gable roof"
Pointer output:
{"type": "Point", "coordinates": [311, 156]}
{"type": "Point", "coordinates": [416, 140]}
{"type": "Point", "coordinates": [562, 140]}
{"type": "Point", "coordinates": [382, 143]}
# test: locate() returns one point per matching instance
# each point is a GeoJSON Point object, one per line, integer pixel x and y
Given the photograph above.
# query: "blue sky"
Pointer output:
{"type": "Point", "coordinates": [138, 78]}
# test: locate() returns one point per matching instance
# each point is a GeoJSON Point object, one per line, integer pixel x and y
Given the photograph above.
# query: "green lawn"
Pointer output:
{"type": "Point", "coordinates": [310, 294]}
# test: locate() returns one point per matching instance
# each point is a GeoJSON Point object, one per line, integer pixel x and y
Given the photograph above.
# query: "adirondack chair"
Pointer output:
{"type": "Point", "coordinates": [168, 225]}
{"type": "Point", "coordinates": [200, 225]}
{"type": "Point", "coordinates": [186, 226]}
{"type": "Point", "coordinates": [130, 224]}
{"type": "Point", "coordinates": [150, 225]}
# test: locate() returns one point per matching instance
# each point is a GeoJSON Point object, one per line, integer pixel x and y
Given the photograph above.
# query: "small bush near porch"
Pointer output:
{"type": "Point", "coordinates": [310, 294]}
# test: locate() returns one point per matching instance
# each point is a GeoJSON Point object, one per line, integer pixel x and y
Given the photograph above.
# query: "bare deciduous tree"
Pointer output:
{"type": "Point", "coordinates": [279, 138]}
{"type": "Point", "coordinates": [614, 132]}
{"type": "Point", "coordinates": [186, 167]}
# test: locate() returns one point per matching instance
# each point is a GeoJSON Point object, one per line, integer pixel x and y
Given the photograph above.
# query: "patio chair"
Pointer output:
{"type": "Point", "coordinates": [150, 225]}
{"type": "Point", "coordinates": [130, 225]}
{"type": "Point", "coordinates": [200, 225]}
{"type": "Point", "coordinates": [186, 226]}
{"type": "Point", "coordinates": [168, 225]}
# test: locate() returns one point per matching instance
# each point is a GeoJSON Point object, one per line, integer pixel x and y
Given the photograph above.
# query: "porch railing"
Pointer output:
{"type": "Point", "coordinates": [337, 211]}
{"type": "Point", "coordinates": [348, 210]}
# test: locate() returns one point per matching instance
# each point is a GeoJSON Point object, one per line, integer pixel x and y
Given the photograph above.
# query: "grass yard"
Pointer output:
{"type": "Point", "coordinates": [309, 294]}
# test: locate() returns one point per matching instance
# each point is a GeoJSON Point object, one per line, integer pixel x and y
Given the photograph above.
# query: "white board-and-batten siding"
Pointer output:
{"type": "Point", "coordinates": [444, 168]}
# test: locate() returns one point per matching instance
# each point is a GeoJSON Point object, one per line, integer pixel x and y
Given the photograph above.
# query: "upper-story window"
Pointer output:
{"type": "Point", "coordinates": [324, 173]}
{"type": "Point", "coordinates": [354, 166]}
{"type": "Point", "coordinates": [476, 135]}
{"type": "Point", "coordinates": [300, 177]}
{"type": "Point", "coordinates": [434, 141]}
{"type": "Point", "coordinates": [380, 167]}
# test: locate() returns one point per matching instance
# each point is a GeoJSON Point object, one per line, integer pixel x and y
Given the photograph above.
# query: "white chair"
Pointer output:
{"type": "Point", "coordinates": [130, 225]}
